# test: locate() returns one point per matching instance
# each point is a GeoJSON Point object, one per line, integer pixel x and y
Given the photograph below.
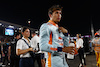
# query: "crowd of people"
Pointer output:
{"type": "Point", "coordinates": [48, 48]}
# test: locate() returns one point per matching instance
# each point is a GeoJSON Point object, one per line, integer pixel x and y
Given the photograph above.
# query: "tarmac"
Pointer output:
{"type": "Point", "coordinates": [90, 61]}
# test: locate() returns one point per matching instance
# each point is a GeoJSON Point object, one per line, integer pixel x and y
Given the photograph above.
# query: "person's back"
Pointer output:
{"type": "Point", "coordinates": [5, 51]}
{"type": "Point", "coordinates": [5, 48]}
{"type": "Point", "coordinates": [35, 42]}
{"type": "Point", "coordinates": [13, 49]}
{"type": "Point", "coordinates": [35, 46]}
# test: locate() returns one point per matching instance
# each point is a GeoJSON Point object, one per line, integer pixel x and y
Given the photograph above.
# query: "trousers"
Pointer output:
{"type": "Point", "coordinates": [81, 55]}
{"type": "Point", "coordinates": [26, 62]}
{"type": "Point", "coordinates": [98, 58]}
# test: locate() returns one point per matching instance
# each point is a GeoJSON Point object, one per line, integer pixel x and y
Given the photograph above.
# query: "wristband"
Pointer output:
{"type": "Point", "coordinates": [59, 49]}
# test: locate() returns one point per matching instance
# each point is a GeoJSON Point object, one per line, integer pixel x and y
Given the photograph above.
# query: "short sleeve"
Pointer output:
{"type": "Point", "coordinates": [77, 44]}
{"type": "Point", "coordinates": [19, 44]}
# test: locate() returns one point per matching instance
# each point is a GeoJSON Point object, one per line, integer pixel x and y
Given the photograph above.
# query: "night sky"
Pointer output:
{"type": "Point", "coordinates": [76, 17]}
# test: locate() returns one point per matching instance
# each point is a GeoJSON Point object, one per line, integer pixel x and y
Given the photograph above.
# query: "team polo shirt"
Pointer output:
{"type": "Point", "coordinates": [34, 42]}
{"type": "Point", "coordinates": [79, 43]}
{"type": "Point", "coordinates": [22, 45]}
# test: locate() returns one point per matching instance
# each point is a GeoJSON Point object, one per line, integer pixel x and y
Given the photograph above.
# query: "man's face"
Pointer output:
{"type": "Point", "coordinates": [56, 16]}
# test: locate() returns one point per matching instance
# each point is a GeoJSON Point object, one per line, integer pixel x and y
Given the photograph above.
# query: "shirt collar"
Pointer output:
{"type": "Point", "coordinates": [26, 39]}
{"type": "Point", "coordinates": [53, 23]}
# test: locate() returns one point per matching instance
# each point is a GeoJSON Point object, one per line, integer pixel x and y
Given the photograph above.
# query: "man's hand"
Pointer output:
{"type": "Point", "coordinates": [63, 30]}
{"type": "Point", "coordinates": [70, 50]}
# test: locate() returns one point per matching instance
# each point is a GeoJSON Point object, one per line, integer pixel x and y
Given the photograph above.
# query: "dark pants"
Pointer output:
{"type": "Point", "coordinates": [38, 59]}
{"type": "Point", "coordinates": [26, 62]}
{"type": "Point", "coordinates": [81, 55]}
{"type": "Point", "coordinates": [14, 61]}
{"type": "Point", "coordinates": [1, 57]}
{"type": "Point", "coordinates": [5, 58]}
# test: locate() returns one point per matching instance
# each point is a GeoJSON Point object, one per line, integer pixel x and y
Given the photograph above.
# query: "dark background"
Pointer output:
{"type": "Point", "coordinates": [76, 17]}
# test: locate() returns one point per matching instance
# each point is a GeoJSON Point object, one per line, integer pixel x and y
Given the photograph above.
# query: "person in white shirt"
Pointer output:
{"type": "Point", "coordinates": [35, 41]}
{"type": "Point", "coordinates": [79, 46]}
{"type": "Point", "coordinates": [35, 45]}
{"type": "Point", "coordinates": [23, 49]}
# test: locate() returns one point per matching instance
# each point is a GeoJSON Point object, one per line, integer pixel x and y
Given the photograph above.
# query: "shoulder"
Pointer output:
{"type": "Point", "coordinates": [37, 37]}
{"type": "Point", "coordinates": [46, 25]}
{"type": "Point", "coordinates": [20, 41]}
{"type": "Point", "coordinates": [43, 25]}
{"type": "Point", "coordinates": [33, 38]}
{"type": "Point", "coordinates": [81, 39]}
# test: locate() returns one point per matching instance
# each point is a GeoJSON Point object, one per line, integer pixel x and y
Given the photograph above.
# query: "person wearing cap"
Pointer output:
{"type": "Point", "coordinates": [96, 45]}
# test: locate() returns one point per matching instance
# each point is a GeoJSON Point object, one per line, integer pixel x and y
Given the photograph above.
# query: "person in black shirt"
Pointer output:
{"type": "Point", "coordinates": [5, 51]}
{"type": "Point", "coordinates": [14, 59]}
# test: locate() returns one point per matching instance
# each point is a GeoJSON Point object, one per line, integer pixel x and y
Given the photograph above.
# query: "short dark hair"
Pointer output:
{"type": "Point", "coordinates": [33, 32]}
{"type": "Point", "coordinates": [17, 33]}
{"type": "Point", "coordinates": [79, 35]}
{"type": "Point", "coordinates": [24, 28]}
{"type": "Point", "coordinates": [54, 8]}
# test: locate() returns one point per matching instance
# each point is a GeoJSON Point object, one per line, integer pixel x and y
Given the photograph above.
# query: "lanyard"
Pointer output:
{"type": "Point", "coordinates": [26, 43]}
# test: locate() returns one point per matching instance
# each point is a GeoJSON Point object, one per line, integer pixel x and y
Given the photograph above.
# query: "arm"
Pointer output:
{"type": "Point", "coordinates": [44, 40]}
{"type": "Point", "coordinates": [93, 41]}
{"type": "Point", "coordinates": [2, 50]}
{"type": "Point", "coordinates": [19, 50]}
{"type": "Point", "coordinates": [9, 52]}
{"type": "Point", "coordinates": [66, 40]}
{"type": "Point", "coordinates": [64, 35]}
{"type": "Point", "coordinates": [96, 45]}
